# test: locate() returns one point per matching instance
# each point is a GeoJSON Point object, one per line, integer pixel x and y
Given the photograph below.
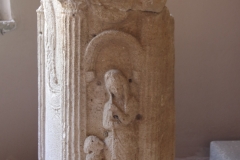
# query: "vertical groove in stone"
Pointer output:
{"type": "Point", "coordinates": [71, 83]}
{"type": "Point", "coordinates": [77, 112]}
{"type": "Point", "coordinates": [82, 42]}
{"type": "Point", "coordinates": [41, 85]}
{"type": "Point", "coordinates": [67, 89]}
{"type": "Point", "coordinates": [64, 108]}
{"type": "Point", "coordinates": [69, 86]}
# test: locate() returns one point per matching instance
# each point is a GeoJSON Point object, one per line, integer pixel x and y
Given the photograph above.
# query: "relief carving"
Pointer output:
{"type": "Point", "coordinates": [123, 42]}
{"type": "Point", "coordinates": [50, 45]}
{"type": "Point", "coordinates": [115, 11]}
{"type": "Point", "coordinates": [111, 11]}
{"type": "Point", "coordinates": [108, 68]}
{"type": "Point", "coordinates": [71, 6]}
{"type": "Point", "coordinates": [93, 147]}
{"type": "Point", "coordinates": [119, 115]}
{"type": "Point", "coordinates": [53, 81]}
{"type": "Point", "coordinates": [112, 93]}
{"type": "Point", "coordinates": [55, 104]}
{"type": "Point", "coordinates": [150, 5]}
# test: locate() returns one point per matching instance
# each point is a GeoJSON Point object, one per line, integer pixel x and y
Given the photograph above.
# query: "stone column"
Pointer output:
{"type": "Point", "coordinates": [106, 80]}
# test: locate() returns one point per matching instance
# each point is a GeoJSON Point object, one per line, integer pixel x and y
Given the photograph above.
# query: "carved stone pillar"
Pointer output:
{"type": "Point", "coordinates": [106, 80]}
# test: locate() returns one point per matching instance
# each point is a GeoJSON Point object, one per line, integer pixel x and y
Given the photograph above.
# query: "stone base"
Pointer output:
{"type": "Point", "coordinates": [225, 150]}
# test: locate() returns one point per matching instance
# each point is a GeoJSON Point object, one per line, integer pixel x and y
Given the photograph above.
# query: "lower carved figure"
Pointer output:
{"type": "Point", "coordinates": [118, 118]}
{"type": "Point", "coordinates": [93, 147]}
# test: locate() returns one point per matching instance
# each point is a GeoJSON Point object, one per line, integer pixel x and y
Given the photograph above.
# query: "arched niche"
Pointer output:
{"type": "Point", "coordinates": [109, 50]}
{"type": "Point", "coordinates": [115, 45]}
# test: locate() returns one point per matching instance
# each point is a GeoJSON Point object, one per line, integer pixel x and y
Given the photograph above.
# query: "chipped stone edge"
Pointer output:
{"type": "Point", "coordinates": [6, 26]}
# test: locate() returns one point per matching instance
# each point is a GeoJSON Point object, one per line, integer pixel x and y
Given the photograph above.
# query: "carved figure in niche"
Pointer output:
{"type": "Point", "coordinates": [93, 147]}
{"type": "Point", "coordinates": [118, 118]}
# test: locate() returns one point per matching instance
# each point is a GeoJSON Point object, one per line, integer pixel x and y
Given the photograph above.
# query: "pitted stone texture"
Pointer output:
{"type": "Point", "coordinates": [150, 5]}
{"type": "Point", "coordinates": [106, 80]}
{"type": "Point", "coordinates": [225, 150]}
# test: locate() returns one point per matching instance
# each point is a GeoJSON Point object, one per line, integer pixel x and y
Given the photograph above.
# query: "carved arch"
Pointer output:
{"type": "Point", "coordinates": [107, 38]}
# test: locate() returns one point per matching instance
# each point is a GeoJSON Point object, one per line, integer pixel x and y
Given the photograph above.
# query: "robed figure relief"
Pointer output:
{"type": "Point", "coordinates": [118, 118]}
{"type": "Point", "coordinates": [93, 147]}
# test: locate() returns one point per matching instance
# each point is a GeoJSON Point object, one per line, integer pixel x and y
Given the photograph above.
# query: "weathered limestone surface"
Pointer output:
{"type": "Point", "coordinates": [106, 80]}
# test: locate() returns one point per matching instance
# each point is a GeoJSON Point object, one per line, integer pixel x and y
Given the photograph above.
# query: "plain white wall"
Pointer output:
{"type": "Point", "coordinates": [207, 77]}
{"type": "Point", "coordinates": [207, 41]}
{"type": "Point", "coordinates": [18, 84]}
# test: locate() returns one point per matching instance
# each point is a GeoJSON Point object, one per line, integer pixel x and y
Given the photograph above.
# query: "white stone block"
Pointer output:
{"type": "Point", "coordinates": [193, 158]}
{"type": "Point", "coordinates": [225, 150]}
